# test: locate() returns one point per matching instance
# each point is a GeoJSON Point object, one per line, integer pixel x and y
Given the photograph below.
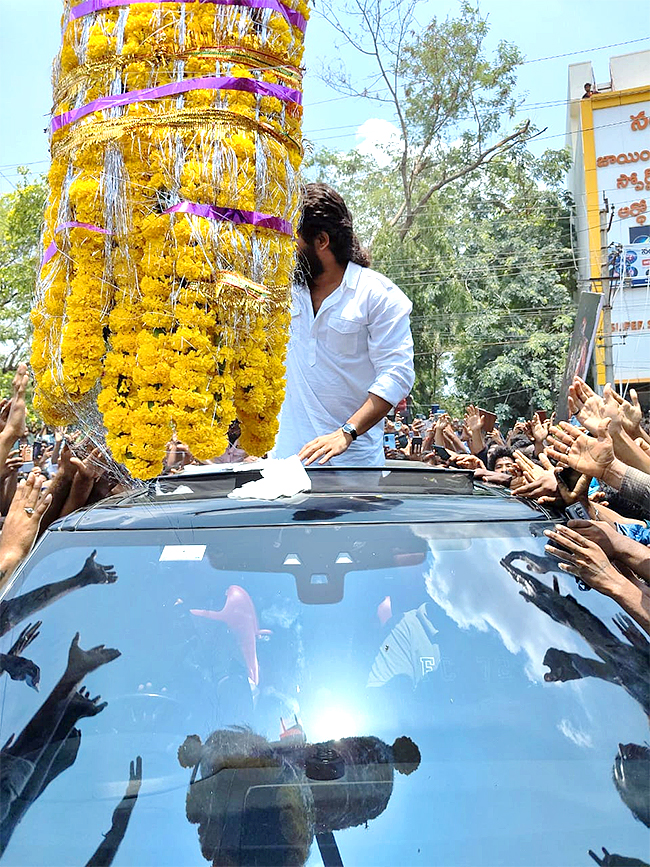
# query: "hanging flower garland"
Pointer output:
{"type": "Point", "coordinates": [168, 243]}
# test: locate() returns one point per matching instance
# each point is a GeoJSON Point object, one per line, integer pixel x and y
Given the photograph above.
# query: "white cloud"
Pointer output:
{"type": "Point", "coordinates": [378, 139]}
{"type": "Point", "coordinates": [488, 598]}
{"type": "Point", "coordinates": [579, 737]}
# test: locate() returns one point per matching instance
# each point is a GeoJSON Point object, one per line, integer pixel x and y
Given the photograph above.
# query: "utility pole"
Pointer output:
{"type": "Point", "coordinates": [605, 224]}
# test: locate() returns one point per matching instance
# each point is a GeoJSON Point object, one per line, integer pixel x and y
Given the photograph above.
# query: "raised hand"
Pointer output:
{"type": "Point", "coordinates": [630, 411]}
{"type": "Point", "coordinates": [22, 522]}
{"type": "Point", "coordinates": [5, 406]}
{"type": "Point", "coordinates": [12, 464]}
{"type": "Point", "coordinates": [83, 662]}
{"type": "Point", "coordinates": [600, 533]}
{"type": "Point", "coordinates": [584, 558]}
{"type": "Point", "coordinates": [591, 455]}
{"type": "Point", "coordinates": [30, 633]}
{"type": "Point", "coordinates": [89, 468]}
{"type": "Point", "coordinates": [589, 407]}
{"type": "Point", "coordinates": [538, 429]}
{"type": "Point", "coordinates": [473, 418]}
{"type": "Point", "coordinates": [65, 465]}
{"type": "Point", "coordinates": [135, 778]}
{"type": "Point", "coordinates": [93, 572]}
{"type": "Point", "coordinates": [15, 422]}
{"type": "Point", "coordinates": [540, 482]}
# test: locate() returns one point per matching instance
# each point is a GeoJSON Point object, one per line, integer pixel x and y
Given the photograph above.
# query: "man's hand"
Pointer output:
{"type": "Point", "coordinates": [468, 462]}
{"type": "Point", "coordinates": [89, 468]}
{"type": "Point", "coordinates": [5, 407]}
{"type": "Point", "coordinates": [631, 411]}
{"type": "Point", "coordinates": [15, 424]}
{"type": "Point", "coordinates": [592, 456]}
{"type": "Point", "coordinates": [538, 429]}
{"type": "Point", "coordinates": [589, 407]}
{"type": "Point", "coordinates": [600, 533]}
{"type": "Point", "coordinates": [12, 464]}
{"type": "Point", "coordinates": [22, 523]}
{"type": "Point", "coordinates": [46, 454]}
{"type": "Point", "coordinates": [585, 559]}
{"type": "Point", "coordinates": [325, 447]}
{"type": "Point", "coordinates": [540, 481]}
{"type": "Point", "coordinates": [473, 419]}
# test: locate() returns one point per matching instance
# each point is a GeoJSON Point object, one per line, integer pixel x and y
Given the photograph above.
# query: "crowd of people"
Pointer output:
{"type": "Point", "coordinates": [598, 465]}
{"type": "Point", "coordinates": [349, 362]}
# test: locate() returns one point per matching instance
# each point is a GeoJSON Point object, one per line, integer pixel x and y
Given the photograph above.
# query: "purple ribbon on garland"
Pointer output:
{"type": "Point", "coordinates": [73, 224]}
{"type": "Point", "coordinates": [232, 215]}
{"type": "Point", "coordinates": [294, 18]}
{"type": "Point", "coordinates": [250, 85]}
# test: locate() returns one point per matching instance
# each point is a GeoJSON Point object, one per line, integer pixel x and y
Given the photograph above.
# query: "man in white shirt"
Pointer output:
{"type": "Point", "coordinates": [350, 354]}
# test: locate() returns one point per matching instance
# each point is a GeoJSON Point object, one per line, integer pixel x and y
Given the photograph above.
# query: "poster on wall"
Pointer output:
{"type": "Point", "coordinates": [631, 264]}
{"type": "Point", "coordinates": [580, 348]}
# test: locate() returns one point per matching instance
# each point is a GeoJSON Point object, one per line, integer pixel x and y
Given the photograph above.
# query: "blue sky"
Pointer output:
{"type": "Point", "coordinates": [579, 29]}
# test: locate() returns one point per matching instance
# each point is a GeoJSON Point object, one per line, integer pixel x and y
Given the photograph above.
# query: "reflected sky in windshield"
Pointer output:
{"type": "Point", "coordinates": [430, 667]}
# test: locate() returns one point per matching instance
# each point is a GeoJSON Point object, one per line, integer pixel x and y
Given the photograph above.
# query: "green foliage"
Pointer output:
{"type": "Point", "coordinates": [476, 233]}
{"type": "Point", "coordinates": [520, 279]}
{"type": "Point", "coordinates": [21, 214]}
{"type": "Point", "coordinates": [449, 97]}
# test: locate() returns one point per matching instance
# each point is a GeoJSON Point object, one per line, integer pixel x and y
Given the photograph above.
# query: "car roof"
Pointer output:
{"type": "Point", "coordinates": [350, 495]}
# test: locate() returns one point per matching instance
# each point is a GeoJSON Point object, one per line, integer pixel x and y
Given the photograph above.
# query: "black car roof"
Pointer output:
{"type": "Point", "coordinates": [374, 495]}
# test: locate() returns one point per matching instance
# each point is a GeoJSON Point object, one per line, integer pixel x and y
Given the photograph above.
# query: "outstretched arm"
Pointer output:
{"type": "Point", "coordinates": [107, 849]}
{"type": "Point", "coordinates": [13, 611]}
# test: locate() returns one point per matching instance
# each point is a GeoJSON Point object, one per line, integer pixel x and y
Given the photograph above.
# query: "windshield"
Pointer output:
{"type": "Point", "coordinates": [376, 694]}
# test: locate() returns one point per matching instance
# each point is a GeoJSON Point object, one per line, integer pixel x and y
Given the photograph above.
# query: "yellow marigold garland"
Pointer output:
{"type": "Point", "coordinates": [170, 321]}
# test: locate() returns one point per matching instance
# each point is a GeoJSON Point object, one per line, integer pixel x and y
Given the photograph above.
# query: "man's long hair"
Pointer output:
{"type": "Point", "coordinates": [323, 210]}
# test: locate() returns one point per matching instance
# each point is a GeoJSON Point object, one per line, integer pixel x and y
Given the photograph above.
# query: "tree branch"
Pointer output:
{"type": "Point", "coordinates": [501, 146]}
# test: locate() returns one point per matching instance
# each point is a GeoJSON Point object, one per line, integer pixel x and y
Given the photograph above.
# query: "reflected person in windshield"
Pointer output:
{"type": "Point", "coordinates": [259, 802]}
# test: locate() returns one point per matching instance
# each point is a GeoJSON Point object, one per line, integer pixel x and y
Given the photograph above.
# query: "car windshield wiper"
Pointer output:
{"type": "Point", "coordinates": [329, 849]}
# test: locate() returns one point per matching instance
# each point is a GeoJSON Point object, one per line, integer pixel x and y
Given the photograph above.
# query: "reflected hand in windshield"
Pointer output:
{"type": "Point", "coordinates": [13, 611]}
{"type": "Point", "coordinates": [49, 742]}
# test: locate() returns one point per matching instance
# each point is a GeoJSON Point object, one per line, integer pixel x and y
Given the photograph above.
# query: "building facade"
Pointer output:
{"type": "Point", "coordinates": [608, 133]}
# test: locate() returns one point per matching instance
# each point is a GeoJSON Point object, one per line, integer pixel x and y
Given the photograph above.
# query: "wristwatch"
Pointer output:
{"type": "Point", "coordinates": [349, 429]}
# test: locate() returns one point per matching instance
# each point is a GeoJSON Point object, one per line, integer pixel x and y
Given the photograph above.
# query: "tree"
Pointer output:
{"type": "Point", "coordinates": [449, 98]}
{"type": "Point", "coordinates": [459, 212]}
{"type": "Point", "coordinates": [21, 214]}
{"type": "Point", "coordinates": [520, 278]}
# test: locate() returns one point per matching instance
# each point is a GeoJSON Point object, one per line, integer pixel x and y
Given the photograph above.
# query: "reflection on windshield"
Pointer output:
{"type": "Point", "coordinates": [270, 685]}
{"type": "Point", "coordinates": [258, 802]}
{"type": "Point", "coordinates": [13, 611]}
{"type": "Point", "coordinates": [621, 663]}
{"type": "Point", "coordinates": [49, 743]}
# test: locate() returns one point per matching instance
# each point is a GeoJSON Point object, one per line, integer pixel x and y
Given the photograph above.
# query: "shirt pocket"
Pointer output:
{"type": "Point", "coordinates": [296, 320]}
{"type": "Point", "coordinates": [343, 336]}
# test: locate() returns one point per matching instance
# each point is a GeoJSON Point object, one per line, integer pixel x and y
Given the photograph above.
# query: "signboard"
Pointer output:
{"type": "Point", "coordinates": [622, 141]}
{"type": "Point", "coordinates": [581, 346]}
{"type": "Point", "coordinates": [631, 334]}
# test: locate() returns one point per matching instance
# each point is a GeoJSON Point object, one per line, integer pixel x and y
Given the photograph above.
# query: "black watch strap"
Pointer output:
{"type": "Point", "coordinates": [349, 429]}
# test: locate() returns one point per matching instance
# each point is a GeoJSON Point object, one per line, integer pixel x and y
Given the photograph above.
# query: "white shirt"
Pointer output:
{"type": "Point", "coordinates": [358, 342]}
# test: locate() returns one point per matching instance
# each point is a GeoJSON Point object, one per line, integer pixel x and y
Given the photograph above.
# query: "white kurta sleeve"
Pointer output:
{"type": "Point", "coordinates": [390, 345]}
